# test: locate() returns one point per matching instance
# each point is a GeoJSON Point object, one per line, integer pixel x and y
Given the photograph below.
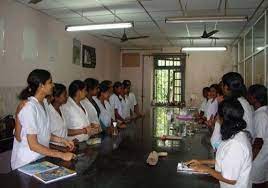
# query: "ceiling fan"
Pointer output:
{"type": "Point", "coordinates": [34, 1]}
{"type": "Point", "coordinates": [210, 34]}
{"type": "Point", "coordinates": [125, 38]}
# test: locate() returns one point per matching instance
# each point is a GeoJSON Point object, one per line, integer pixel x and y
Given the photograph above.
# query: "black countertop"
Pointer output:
{"type": "Point", "coordinates": [121, 161]}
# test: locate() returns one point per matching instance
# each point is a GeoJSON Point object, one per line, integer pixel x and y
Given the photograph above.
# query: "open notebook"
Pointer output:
{"type": "Point", "coordinates": [38, 167]}
{"type": "Point", "coordinates": [183, 168]}
{"type": "Point", "coordinates": [54, 175]}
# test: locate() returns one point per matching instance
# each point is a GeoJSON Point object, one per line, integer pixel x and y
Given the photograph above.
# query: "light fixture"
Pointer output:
{"type": "Point", "coordinates": [211, 48]}
{"type": "Point", "coordinates": [259, 48]}
{"type": "Point", "coordinates": [115, 25]}
{"type": "Point", "coordinates": [201, 19]}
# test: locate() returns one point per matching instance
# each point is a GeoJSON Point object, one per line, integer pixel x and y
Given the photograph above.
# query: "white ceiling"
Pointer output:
{"type": "Point", "coordinates": [149, 18]}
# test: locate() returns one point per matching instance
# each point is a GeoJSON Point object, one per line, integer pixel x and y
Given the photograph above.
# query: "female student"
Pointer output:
{"type": "Point", "coordinates": [132, 99]}
{"type": "Point", "coordinates": [75, 115]}
{"type": "Point", "coordinates": [101, 100]}
{"type": "Point", "coordinates": [58, 125]}
{"type": "Point", "coordinates": [233, 87]}
{"type": "Point", "coordinates": [125, 103]}
{"type": "Point", "coordinates": [89, 104]}
{"type": "Point", "coordinates": [212, 105]}
{"type": "Point", "coordinates": [115, 100]}
{"type": "Point", "coordinates": [109, 84]}
{"type": "Point", "coordinates": [258, 98]}
{"type": "Point", "coordinates": [234, 156]}
{"type": "Point", "coordinates": [35, 123]}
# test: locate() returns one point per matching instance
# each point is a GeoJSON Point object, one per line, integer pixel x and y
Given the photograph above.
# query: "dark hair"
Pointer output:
{"type": "Point", "coordinates": [75, 86]}
{"type": "Point", "coordinates": [107, 82]}
{"type": "Point", "coordinates": [34, 80]}
{"type": "Point", "coordinates": [205, 89]}
{"type": "Point", "coordinates": [259, 92]}
{"type": "Point", "coordinates": [58, 89]}
{"type": "Point", "coordinates": [231, 111]}
{"type": "Point", "coordinates": [102, 89]}
{"type": "Point", "coordinates": [91, 83]}
{"type": "Point", "coordinates": [235, 84]}
{"type": "Point", "coordinates": [215, 86]}
{"type": "Point", "coordinates": [126, 83]}
{"type": "Point", "coordinates": [117, 85]}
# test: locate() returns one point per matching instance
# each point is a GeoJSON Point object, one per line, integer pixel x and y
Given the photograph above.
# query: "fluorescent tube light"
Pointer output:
{"type": "Point", "coordinates": [212, 48]}
{"type": "Point", "coordinates": [259, 48]}
{"type": "Point", "coordinates": [116, 25]}
{"type": "Point", "coordinates": [202, 19]}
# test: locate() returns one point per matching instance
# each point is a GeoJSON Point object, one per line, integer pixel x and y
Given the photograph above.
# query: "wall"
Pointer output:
{"type": "Point", "coordinates": [51, 41]}
{"type": "Point", "coordinates": [202, 69]}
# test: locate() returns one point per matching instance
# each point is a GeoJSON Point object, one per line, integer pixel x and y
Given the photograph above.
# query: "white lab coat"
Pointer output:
{"type": "Point", "coordinates": [234, 161]}
{"type": "Point", "coordinates": [115, 103]}
{"type": "Point", "coordinates": [203, 105]}
{"type": "Point", "coordinates": [131, 100]}
{"type": "Point", "coordinates": [212, 108]}
{"type": "Point", "coordinates": [259, 172]}
{"type": "Point", "coordinates": [216, 139]}
{"type": "Point", "coordinates": [248, 113]}
{"type": "Point", "coordinates": [34, 120]}
{"type": "Point", "coordinates": [92, 113]}
{"type": "Point", "coordinates": [57, 125]}
{"type": "Point", "coordinates": [124, 111]}
{"type": "Point", "coordinates": [105, 112]}
{"type": "Point", "coordinates": [75, 118]}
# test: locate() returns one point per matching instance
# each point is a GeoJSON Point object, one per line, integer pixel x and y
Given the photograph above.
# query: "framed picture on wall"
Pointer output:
{"type": "Point", "coordinates": [88, 57]}
{"type": "Point", "coordinates": [76, 52]}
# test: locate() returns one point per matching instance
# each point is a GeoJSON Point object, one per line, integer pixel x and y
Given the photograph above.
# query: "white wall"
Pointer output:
{"type": "Point", "coordinates": [202, 69]}
{"type": "Point", "coordinates": [51, 39]}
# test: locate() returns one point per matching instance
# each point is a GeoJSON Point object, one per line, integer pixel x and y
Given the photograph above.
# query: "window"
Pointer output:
{"type": "Point", "coordinates": [259, 70]}
{"type": "Point", "coordinates": [258, 32]}
{"type": "Point", "coordinates": [248, 73]}
{"type": "Point", "coordinates": [169, 78]}
{"type": "Point", "coordinates": [248, 43]}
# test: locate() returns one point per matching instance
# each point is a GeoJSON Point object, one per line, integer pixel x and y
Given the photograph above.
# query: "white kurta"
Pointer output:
{"type": "Point", "coordinates": [57, 125]}
{"type": "Point", "coordinates": [248, 113]}
{"type": "Point", "coordinates": [34, 120]}
{"type": "Point", "coordinates": [92, 113]}
{"type": "Point", "coordinates": [105, 112]}
{"type": "Point", "coordinates": [234, 161]}
{"type": "Point", "coordinates": [75, 118]}
{"type": "Point", "coordinates": [259, 172]}
{"type": "Point", "coordinates": [131, 100]}
{"type": "Point", "coordinates": [212, 108]}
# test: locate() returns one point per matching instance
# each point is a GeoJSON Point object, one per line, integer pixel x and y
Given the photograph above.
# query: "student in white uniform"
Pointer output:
{"type": "Point", "coordinates": [109, 84]}
{"type": "Point", "coordinates": [75, 115]}
{"type": "Point", "coordinates": [89, 104]}
{"type": "Point", "coordinates": [58, 125]}
{"type": "Point", "coordinates": [212, 106]}
{"type": "Point", "coordinates": [35, 124]}
{"type": "Point", "coordinates": [233, 87]}
{"type": "Point", "coordinates": [101, 100]}
{"type": "Point", "coordinates": [258, 98]}
{"type": "Point", "coordinates": [115, 101]}
{"type": "Point", "coordinates": [125, 103]}
{"type": "Point", "coordinates": [234, 156]}
{"type": "Point", "coordinates": [215, 139]}
{"type": "Point", "coordinates": [134, 106]}
{"type": "Point", "coordinates": [204, 103]}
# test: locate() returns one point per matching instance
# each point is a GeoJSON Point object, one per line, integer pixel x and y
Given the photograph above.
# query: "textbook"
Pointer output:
{"type": "Point", "coordinates": [183, 168]}
{"type": "Point", "coordinates": [34, 168]}
{"type": "Point", "coordinates": [54, 175]}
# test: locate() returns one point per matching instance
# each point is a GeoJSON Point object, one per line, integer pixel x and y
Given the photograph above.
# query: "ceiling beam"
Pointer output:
{"type": "Point", "coordinates": [155, 22]}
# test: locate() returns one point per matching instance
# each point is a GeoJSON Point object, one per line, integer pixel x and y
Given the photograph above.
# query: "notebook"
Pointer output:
{"type": "Point", "coordinates": [54, 175]}
{"type": "Point", "coordinates": [183, 168]}
{"type": "Point", "coordinates": [32, 169]}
